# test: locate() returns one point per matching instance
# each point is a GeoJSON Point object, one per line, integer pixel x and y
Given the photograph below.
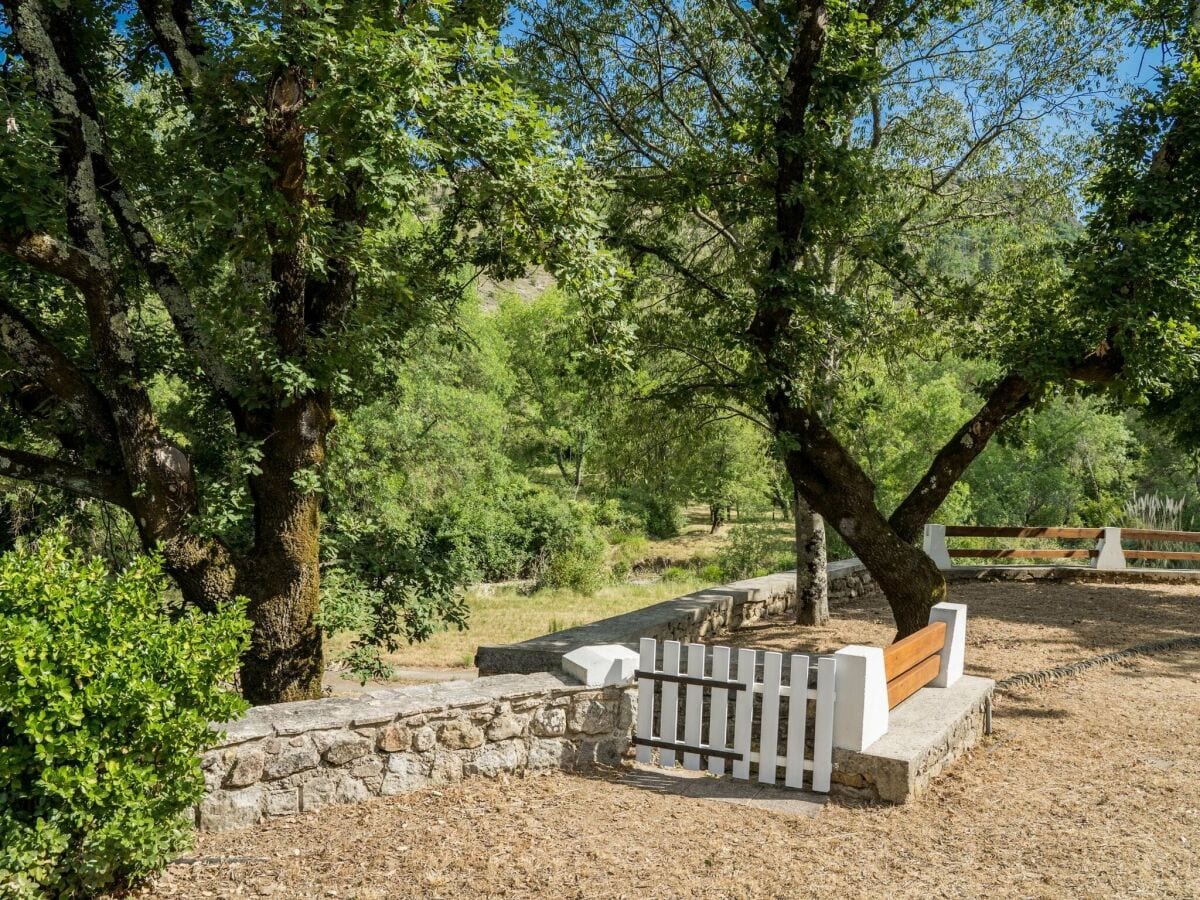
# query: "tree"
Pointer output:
{"type": "Point", "coordinates": [1142, 245]}
{"type": "Point", "coordinates": [558, 406]}
{"type": "Point", "coordinates": [220, 225]}
{"type": "Point", "coordinates": [781, 172]}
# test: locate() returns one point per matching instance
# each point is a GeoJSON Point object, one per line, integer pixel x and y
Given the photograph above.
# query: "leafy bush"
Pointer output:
{"type": "Point", "coordinates": [660, 516]}
{"type": "Point", "coordinates": [611, 514]}
{"type": "Point", "coordinates": [675, 573]}
{"type": "Point", "coordinates": [750, 550]}
{"type": "Point", "coordinates": [712, 573]}
{"type": "Point", "coordinates": [104, 708]}
{"type": "Point", "coordinates": [575, 560]}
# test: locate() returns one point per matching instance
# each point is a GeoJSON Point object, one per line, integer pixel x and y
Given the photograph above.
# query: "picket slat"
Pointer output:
{"type": "Point", "coordinates": [645, 719]}
{"type": "Point", "coordinates": [823, 725]}
{"type": "Point", "coordinates": [693, 709]}
{"type": "Point", "coordinates": [768, 735]}
{"type": "Point", "coordinates": [718, 710]}
{"type": "Point", "coordinates": [743, 714]}
{"type": "Point", "coordinates": [667, 730]}
{"type": "Point", "coordinates": [797, 725]}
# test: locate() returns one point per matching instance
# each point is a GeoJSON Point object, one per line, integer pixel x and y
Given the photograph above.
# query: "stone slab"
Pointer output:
{"type": "Point", "coordinates": [926, 734]}
{"type": "Point", "coordinates": [700, 786]}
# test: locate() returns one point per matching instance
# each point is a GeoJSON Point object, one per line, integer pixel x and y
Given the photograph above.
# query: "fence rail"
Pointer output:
{"type": "Point", "coordinates": [1108, 553]}
{"type": "Point", "coordinates": [767, 713]}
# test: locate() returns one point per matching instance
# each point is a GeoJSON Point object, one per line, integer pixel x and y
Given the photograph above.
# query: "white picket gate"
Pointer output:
{"type": "Point", "coordinates": [782, 712]}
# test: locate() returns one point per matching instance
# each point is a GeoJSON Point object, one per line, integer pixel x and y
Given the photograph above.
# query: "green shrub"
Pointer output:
{"type": "Point", "coordinates": [575, 560]}
{"type": "Point", "coordinates": [676, 573]}
{"type": "Point", "coordinates": [628, 549]}
{"type": "Point", "coordinates": [611, 514]}
{"type": "Point", "coordinates": [749, 550]}
{"type": "Point", "coordinates": [660, 516]}
{"type": "Point", "coordinates": [104, 710]}
{"type": "Point", "coordinates": [712, 573]}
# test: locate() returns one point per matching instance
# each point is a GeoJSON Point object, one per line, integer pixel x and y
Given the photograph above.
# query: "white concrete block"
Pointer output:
{"type": "Point", "coordinates": [1111, 557]}
{"type": "Point", "coordinates": [934, 545]}
{"type": "Point", "coordinates": [601, 664]}
{"type": "Point", "coordinates": [954, 651]}
{"type": "Point", "coordinates": [860, 715]}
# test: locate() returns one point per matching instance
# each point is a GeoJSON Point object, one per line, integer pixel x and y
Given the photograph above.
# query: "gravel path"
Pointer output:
{"type": "Point", "coordinates": [1090, 787]}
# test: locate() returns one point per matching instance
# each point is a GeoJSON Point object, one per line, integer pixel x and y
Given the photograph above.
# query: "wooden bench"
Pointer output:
{"type": "Point", "coordinates": [913, 662]}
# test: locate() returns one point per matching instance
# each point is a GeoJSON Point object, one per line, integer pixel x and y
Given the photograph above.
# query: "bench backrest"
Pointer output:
{"type": "Point", "coordinates": [913, 662]}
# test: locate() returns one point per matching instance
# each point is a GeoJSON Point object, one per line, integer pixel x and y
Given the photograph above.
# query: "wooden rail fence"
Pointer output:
{"type": "Point", "coordinates": [1108, 551]}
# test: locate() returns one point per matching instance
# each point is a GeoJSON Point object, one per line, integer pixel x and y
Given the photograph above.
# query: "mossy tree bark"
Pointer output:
{"type": "Point", "coordinates": [812, 575]}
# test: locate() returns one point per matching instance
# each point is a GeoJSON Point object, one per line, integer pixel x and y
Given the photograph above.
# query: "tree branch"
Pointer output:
{"type": "Point", "coordinates": [64, 476]}
{"type": "Point", "coordinates": [21, 339]}
{"type": "Point", "coordinates": [774, 307]}
{"type": "Point", "coordinates": [1009, 398]}
{"type": "Point", "coordinates": [54, 257]}
{"type": "Point", "coordinates": [174, 27]}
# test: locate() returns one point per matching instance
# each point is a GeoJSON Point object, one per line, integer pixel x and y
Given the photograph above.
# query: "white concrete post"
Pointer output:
{"type": "Point", "coordinates": [1111, 556]}
{"type": "Point", "coordinates": [860, 712]}
{"type": "Point", "coordinates": [954, 651]}
{"type": "Point", "coordinates": [601, 665]}
{"type": "Point", "coordinates": [934, 545]}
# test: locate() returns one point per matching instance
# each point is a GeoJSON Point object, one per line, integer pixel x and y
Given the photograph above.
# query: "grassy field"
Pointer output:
{"type": "Point", "coordinates": [695, 542]}
{"type": "Point", "coordinates": [502, 615]}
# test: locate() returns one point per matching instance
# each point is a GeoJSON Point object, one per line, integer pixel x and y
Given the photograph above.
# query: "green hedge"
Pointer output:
{"type": "Point", "coordinates": [104, 709]}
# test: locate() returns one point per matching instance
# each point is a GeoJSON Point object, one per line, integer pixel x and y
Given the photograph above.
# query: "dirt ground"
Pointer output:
{"type": "Point", "coordinates": [1089, 787]}
{"type": "Point", "coordinates": [1011, 626]}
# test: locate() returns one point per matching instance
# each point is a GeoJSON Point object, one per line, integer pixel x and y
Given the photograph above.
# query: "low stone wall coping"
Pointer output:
{"type": "Point", "coordinates": [385, 705]}
{"type": "Point", "coordinates": [1072, 573]}
{"type": "Point", "coordinates": [689, 617]}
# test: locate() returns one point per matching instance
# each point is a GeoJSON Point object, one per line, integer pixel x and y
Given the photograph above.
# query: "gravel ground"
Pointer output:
{"type": "Point", "coordinates": [1011, 626]}
{"type": "Point", "coordinates": [1088, 788]}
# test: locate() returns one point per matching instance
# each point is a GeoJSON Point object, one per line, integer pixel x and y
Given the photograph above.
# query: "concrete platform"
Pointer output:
{"type": "Point", "coordinates": [926, 734]}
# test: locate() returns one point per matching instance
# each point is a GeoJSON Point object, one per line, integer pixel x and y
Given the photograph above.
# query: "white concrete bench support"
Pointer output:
{"type": "Point", "coordinates": [860, 714]}
{"type": "Point", "coordinates": [955, 649]}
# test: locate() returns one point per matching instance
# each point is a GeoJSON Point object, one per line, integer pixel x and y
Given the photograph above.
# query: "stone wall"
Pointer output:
{"type": "Point", "coordinates": [295, 757]}
{"type": "Point", "coordinates": [692, 617]}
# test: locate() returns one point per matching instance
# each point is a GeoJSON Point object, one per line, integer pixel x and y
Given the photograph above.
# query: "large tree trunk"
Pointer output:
{"type": "Point", "coordinates": [282, 575]}
{"type": "Point", "coordinates": [834, 485]}
{"type": "Point", "coordinates": [812, 576]}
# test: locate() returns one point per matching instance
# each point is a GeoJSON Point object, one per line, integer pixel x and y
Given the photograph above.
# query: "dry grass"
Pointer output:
{"type": "Point", "coordinates": [504, 615]}
{"type": "Point", "coordinates": [696, 544]}
{"type": "Point", "coordinates": [1089, 788]}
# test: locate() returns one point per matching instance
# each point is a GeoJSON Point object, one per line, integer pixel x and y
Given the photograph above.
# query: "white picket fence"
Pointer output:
{"type": "Point", "coordinates": [782, 712]}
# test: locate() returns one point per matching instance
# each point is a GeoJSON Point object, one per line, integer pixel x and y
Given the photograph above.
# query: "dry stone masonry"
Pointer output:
{"type": "Point", "coordinates": [295, 757]}
{"type": "Point", "coordinates": [693, 617]}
